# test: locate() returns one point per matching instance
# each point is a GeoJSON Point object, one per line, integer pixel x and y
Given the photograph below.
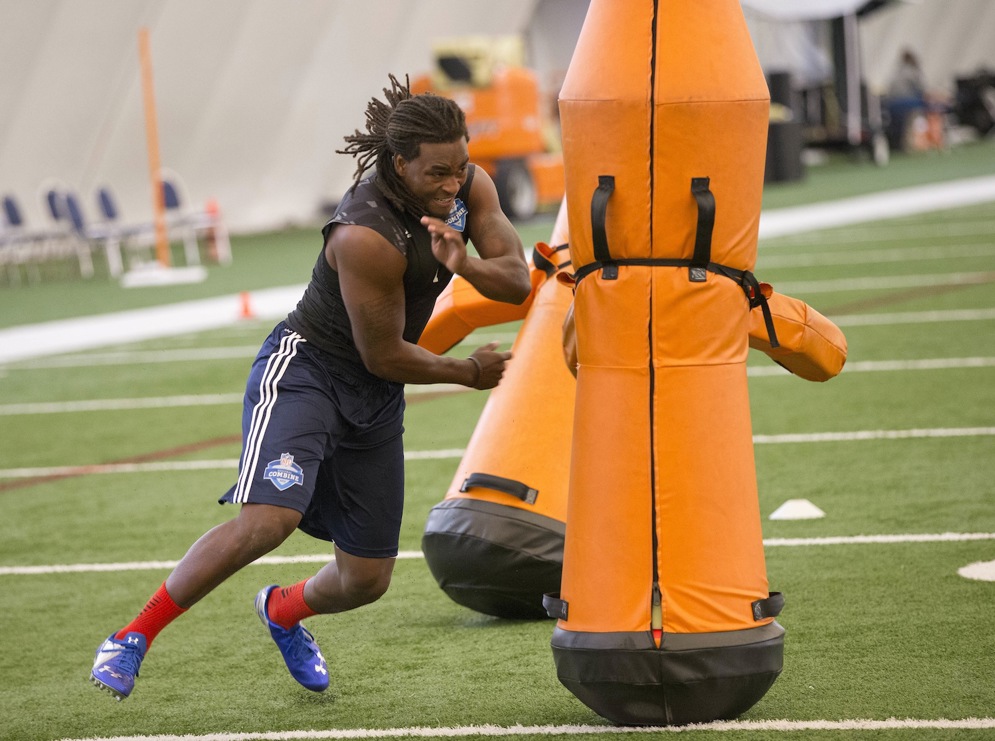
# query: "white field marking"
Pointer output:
{"type": "Point", "coordinates": [162, 402]}
{"type": "Point", "coordinates": [142, 357]}
{"type": "Point", "coordinates": [876, 206]}
{"type": "Point", "coordinates": [885, 282]}
{"type": "Point", "coordinates": [867, 257]}
{"type": "Point", "coordinates": [105, 405]}
{"type": "Point", "coordinates": [914, 317]}
{"type": "Point", "coordinates": [148, 467]}
{"type": "Point", "coordinates": [886, 231]}
{"type": "Point", "coordinates": [979, 571]}
{"type": "Point", "coordinates": [78, 568]}
{"type": "Point", "coordinates": [97, 405]}
{"type": "Point", "coordinates": [87, 332]}
{"type": "Point", "coordinates": [198, 465]}
{"type": "Point", "coordinates": [492, 731]}
{"type": "Point", "coordinates": [434, 388]}
{"type": "Point", "coordinates": [859, 435]}
{"type": "Point", "coordinates": [865, 366]}
{"type": "Point", "coordinates": [879, 539]}
{"type": "Point", "coordinates": [415, 455]}
{"type": "Point", "coordinates": [73, 568]}
{"type": "Point", "coordinates": [482, 338]}
{"type": "Point", "coordinates": [203, 354]}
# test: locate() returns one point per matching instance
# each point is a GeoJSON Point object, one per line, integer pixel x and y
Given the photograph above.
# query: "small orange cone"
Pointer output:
{"type": "Point", "coordinates": [245, 306]}
{"type": "Point", "coordinates": [213, 213]}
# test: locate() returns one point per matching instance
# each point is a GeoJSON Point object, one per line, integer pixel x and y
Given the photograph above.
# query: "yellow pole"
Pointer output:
{"type": "Point", "coordinates": [152, 144]}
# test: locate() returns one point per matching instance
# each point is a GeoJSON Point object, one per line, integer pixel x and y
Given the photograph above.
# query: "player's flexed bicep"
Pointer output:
{"type": "Point", "coordinates": [371, 278]}
{"type": "Point", "coordinates": [371, 275]}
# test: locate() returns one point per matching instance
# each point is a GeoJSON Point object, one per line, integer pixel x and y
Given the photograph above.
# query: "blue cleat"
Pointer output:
{"type": "Point", "coordinates": [117, 663]}
{"type": "Point", "coordinates": [300, 652]}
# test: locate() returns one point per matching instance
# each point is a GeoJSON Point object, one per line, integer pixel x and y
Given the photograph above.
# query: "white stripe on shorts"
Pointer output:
{"type": "Point", "coordinates": [276, 366]}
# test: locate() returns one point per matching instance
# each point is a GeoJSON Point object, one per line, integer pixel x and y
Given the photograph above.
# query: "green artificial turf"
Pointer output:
{"type": "Point", "coordinates": [875, 630]}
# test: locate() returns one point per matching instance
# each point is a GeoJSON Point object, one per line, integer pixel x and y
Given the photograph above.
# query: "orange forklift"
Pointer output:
{"type": "Point", "coordinates": [511, 137]}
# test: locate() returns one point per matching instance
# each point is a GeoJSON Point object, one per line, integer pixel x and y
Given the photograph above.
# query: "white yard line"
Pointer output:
{"type": "Point", "coordinates": [862, 435]}
{"type": "Point", "coordinates": [877, 366]}
{"type": "Point", "coordinates": [84, 333]}
{"type": "Point", "coordinates": [161, 402]}
{"type": "Point", "coordinates": [915, 317]}
{"type": "Point", "coordinates": [876, 206]}
{"type": "Point", "coordinates": [195, 355]}
{"type": "Point", "coordinates": [455, 453]}
{"type": "Point", "coordinates": [891, 231]}
{"type": "Point", "coordinates": [144, 357]}
{"type": "Point", "coordinates": [888, 282]}
{"type": "Point", "coordinates": [493, 731]}
{"type": "Point", "coordinates": [190, 400]}
{"type": "Point", "coordinates": [109, 405]}
{"type": "Point", "coordinates": [226, 464]}
{"type": "Point", "coordinates": [873, 257]}
{"type": "Point", "coordinates": [76, 568]}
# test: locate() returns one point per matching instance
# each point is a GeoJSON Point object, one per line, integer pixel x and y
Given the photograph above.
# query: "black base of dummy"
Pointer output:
{"type": "Point", "coordinates": [494, 559]}
{"type": "Point", "coordinates": [625, 678]}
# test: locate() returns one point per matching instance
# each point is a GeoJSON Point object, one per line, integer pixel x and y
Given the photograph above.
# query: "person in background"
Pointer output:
{"type": "Point", "coordinates": [324, 402]}
{"type": "Point", "coordinates": [915, 115]}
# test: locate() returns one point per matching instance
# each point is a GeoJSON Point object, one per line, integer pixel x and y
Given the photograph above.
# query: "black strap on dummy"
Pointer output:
{"type": "Point", "coordinates": [554, 606]}
{"type": "Point", "coordinates": [751, 287]}
{"type": "Point", "coordinates": [545, 265]}
{"type": "Point", "coordinates": [698, 266]}
{"type": "Point", "coordinates": [768, 608]}
{"type": "Point", "coordinates": [498, 483]}
{"type": "Point", "coordinates": [599, 212]}
{"type": "Point", "coordinates": [697, 270]}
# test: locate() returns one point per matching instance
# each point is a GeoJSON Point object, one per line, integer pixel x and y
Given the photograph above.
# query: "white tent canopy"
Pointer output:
{"type": "Point", "coordinates": [804, 10]}
{"type": "Point", "coordinates": [254, 96]}
{"type": "Point", "coordinates": [953, 38]}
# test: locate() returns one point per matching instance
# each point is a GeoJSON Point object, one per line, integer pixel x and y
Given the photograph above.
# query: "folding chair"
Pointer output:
{"type": "Point", "coordinates": [131, 237]}
{"type": "Point", "coordinates": [21, 246]}
{"type": "Point", "coordinates": [194, 223]}
{"type": "Point", "coordinates": [183, 223]}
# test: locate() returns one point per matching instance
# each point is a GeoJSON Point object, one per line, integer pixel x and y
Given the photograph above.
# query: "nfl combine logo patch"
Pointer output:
{"type": "Point", "coordinates": [457, 216]}
{"type": "Point", "coordinates": [284, 473]}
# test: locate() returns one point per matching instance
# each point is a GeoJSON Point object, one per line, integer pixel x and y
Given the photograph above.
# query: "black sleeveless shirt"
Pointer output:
{"type": "Point", "coordinates": [320, 316]}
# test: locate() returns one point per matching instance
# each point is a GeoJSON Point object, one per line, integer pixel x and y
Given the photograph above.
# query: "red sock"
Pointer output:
{"type": "Point", "coordinates": [158, 612]}
{"type": "Point", "coordinates": [286, 606]}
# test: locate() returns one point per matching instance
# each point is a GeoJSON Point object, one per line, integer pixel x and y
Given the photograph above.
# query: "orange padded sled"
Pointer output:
{"type": "Point", "coordinates": [665, 616]}
{"type": "Point", "coordinates": [495, 544]}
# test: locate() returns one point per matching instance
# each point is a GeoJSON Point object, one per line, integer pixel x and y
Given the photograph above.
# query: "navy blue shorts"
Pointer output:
{"type": "Point", "coordinates": [325, 443]}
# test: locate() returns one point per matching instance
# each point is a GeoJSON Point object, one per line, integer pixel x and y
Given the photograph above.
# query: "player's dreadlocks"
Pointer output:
{"type": "Point", "coordinates": [399, 126]}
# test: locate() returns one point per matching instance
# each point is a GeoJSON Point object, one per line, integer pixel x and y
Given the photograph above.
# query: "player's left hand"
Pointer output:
{"type": "Point", "coordinates": [447, 244]}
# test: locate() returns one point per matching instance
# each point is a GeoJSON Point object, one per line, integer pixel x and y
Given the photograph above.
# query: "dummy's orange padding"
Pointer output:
{"type": "Point", "coordinates": [524, 429]}
{"type": "Point", "coordinates": [809, 344]}
{"type": "Point", "coordinates": [653, 336]}
{"type": "Point", "coordinates": [460, 309]}
{"type": "Point", "coordinates": [495, 543]}
{"type": "Point", "coordinates": [665, 614]}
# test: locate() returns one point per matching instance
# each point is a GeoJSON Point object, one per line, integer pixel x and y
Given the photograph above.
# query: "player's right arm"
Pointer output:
{"type": "Point", "coordinates": [371, 278]}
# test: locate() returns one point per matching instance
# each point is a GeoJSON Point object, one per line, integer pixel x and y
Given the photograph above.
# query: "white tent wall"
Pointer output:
{"type": "Point", "coordinates": [952, 38]}
{"type": "Point", "coordinates": [253, 96]}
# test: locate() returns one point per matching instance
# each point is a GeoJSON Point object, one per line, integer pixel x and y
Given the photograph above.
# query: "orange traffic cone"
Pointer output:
{"type": "Point", "coordinates": [245, 306]}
